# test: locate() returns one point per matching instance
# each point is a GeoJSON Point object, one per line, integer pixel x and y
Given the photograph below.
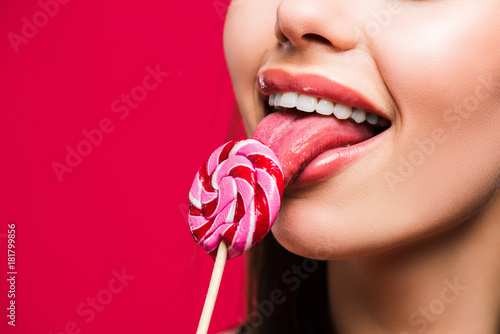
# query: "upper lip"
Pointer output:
{"type": "Point", "coordinates": [279, 81]}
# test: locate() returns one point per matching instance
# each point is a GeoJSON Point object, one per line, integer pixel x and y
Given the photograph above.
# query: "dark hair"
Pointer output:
{"type": "Point", "coordinates": [287, 293]}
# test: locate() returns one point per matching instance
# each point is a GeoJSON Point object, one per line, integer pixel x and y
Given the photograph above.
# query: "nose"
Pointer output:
{"type": "Point", "coordinates": [305, 22]}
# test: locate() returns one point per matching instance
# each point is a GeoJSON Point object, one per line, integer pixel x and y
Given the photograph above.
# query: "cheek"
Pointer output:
{"type": "Point", "coordinates": [445, 77]}
{"type": "Point", "coordinates": [441, 63]}
{"type": "Point", "coordinates": [248, 34]}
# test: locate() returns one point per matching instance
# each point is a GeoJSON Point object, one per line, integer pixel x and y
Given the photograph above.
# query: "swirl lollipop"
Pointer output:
{"type": "Point", "coordinates": [234, 200]}
{"type": "Point", "coordinates": [235, 197]}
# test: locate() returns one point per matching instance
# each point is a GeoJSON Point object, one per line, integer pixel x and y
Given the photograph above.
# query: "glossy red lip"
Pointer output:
{"type": "Point", "coordinates": [279, 81]}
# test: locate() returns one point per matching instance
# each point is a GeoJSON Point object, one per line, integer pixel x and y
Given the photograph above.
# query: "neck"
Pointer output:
{"type": "Point", "coordinates": [447, 284]}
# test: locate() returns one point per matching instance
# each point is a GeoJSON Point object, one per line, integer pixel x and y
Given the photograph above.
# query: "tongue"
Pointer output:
{"type": "Point", "coordinates": [296, 137]}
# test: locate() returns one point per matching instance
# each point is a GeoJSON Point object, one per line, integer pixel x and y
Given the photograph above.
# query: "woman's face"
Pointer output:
{"type": "Point", "coordinates": [429, 70]}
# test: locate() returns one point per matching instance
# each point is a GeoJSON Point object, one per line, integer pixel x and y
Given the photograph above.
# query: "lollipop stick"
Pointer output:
{"type": "Point", "coordinates": [213, 289]}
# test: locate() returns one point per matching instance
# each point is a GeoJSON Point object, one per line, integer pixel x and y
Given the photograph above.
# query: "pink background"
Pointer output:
{"type": "Point", "coordinates": [121, 206]}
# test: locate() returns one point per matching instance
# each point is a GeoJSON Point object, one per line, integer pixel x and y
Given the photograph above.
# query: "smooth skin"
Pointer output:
{"type": "Point", "coordinates": [420, 211]}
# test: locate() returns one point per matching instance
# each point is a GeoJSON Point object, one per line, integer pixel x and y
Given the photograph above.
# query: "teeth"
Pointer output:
{"type": "Point", "coordinates": [277, 99]}
{"type": "Point", "coordinates": [372, 119]}
{"type": "Point", "coordinates": [324, 107]}
{"type": "Point", "coordinates": [341, 111]}
{"type": "Point", "coordinates": [289, 100]}
{"type": "Point", "coordinates": [358, 115]}
{"type": "Point", "coordinates": [306, 103]}
{"type": "Point", "coordinates": [271, 99]}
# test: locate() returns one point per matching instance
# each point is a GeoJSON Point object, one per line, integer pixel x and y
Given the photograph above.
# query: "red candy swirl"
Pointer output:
{"type": "Point", "coordinates": [235, 197]}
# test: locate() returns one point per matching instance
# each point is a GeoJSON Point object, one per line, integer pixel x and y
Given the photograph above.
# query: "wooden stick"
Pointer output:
{"type": "Point", "coordinates": [213, 289]}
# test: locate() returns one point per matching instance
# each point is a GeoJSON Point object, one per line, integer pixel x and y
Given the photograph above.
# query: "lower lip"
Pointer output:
{"type": "Point", "coordinates": [332, 161]}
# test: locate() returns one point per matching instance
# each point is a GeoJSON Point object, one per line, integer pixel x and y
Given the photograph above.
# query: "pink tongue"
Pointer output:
{"type": "Point", "coordinates": [296, 137]}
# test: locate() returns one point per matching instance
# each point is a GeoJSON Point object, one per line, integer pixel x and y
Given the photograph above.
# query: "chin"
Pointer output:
{"type": "Point", "coordinates": [314, 234]}
{"type": "Point", "coordinates": [314, 231]}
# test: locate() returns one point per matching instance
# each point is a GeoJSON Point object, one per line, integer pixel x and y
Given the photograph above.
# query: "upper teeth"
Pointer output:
{"type": "Point", "coordinates": [323, 106]}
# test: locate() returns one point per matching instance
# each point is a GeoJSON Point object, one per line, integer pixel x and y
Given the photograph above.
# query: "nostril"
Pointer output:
{"type": "Point", "coordinates": [316, 38]}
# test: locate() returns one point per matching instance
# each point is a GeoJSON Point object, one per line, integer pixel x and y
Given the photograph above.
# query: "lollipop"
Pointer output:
{"type": "Point", "coordinates": [235, 197]}
{"type": "Point", "coordinates": [234, 200]}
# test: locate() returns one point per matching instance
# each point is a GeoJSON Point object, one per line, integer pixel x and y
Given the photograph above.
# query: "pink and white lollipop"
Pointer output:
{"type": "Point", "coordinates": [235, 197]}
{"type": "Point", "coordinates": [233, 203]}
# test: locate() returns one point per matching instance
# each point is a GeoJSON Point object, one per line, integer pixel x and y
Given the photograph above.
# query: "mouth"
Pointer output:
{"type": "Point", "coordinates": [315, 126]}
